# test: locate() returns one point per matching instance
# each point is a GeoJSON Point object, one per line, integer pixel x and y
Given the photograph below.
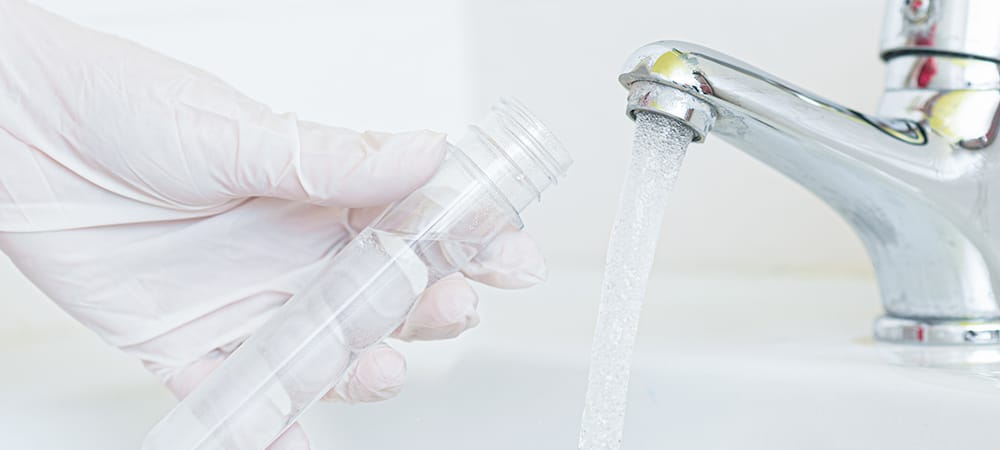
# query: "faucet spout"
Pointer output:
{"type": "Point", "coordinates": [915, 194]}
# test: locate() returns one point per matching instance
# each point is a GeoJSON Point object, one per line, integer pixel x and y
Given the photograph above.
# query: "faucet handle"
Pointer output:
{"type": "Point", "coordinates": [949, 27]}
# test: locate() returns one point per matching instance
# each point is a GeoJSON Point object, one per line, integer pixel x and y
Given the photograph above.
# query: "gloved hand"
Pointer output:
{"type": "Point", "coordinates": [172, 215]}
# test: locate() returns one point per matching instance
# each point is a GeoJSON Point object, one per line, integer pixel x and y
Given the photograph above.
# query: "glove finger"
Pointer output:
{"type": "Point", "coordinates": [512, 261]}
{"type": "Point", "coordinates": [294, 438]}
{"type": "Point", "coordinates": [377, 375]}
{"type": "Point", "coordinates": [445, 310]}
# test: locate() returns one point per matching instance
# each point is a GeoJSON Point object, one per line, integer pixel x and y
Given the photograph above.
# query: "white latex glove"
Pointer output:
{"type": "Point", "coordinates": [172, 215]}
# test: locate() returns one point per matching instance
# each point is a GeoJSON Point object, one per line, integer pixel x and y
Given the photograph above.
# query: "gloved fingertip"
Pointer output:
{"type": "Point", "coordinates": [459, 307]}
{"type": "Point", "coordinates": [445, 310]}
{"type": "Point", "coordinates": [390, 368]}
{"type": "Point", "coordinates": [378, 375]}
{"type": "Point", "coordinates": [512, 261]}
{"type": "Point", "coordinates": [535, 271]}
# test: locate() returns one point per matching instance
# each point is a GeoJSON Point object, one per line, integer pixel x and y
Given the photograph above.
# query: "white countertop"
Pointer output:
{"type": "Point", "coordinates": [722, 362]}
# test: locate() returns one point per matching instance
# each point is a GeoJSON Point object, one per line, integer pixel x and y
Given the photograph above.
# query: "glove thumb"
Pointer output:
{"type": "Point", "coordinates": [279, 156]}
{"type": "Point", "coordinates": [337, 167]}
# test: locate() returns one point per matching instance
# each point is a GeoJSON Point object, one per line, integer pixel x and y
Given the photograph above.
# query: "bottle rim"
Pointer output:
{"type": "Point", "coordinates": [535, 137]}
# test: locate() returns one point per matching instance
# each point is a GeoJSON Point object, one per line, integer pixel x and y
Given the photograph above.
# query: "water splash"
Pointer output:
{"type": "Point", "coordinates": [657, 152]}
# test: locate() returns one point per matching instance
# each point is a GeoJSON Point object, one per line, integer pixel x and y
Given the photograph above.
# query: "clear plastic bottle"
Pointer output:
{"type": "Point", "coordinates": [366, 290]}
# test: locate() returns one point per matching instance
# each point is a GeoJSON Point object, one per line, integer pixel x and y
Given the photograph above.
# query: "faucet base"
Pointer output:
{"type": "Point", "coordinates": [937, 332]}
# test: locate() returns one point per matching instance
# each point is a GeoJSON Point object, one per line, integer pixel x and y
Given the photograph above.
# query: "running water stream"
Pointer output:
{"type": "Point", "coordinates": [657, 152]}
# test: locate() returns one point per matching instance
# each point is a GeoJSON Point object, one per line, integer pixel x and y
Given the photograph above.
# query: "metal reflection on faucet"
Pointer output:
{"type": "Point", "coordinates": [959, 101]}
{"type": "Point", "coordinates": [956, 27]}
{"type": "Point", "coordinates": [915, 181]}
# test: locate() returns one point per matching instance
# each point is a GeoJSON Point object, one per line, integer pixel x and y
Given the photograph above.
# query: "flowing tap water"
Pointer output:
{"type": "Point", "coordinates": [657, 151]}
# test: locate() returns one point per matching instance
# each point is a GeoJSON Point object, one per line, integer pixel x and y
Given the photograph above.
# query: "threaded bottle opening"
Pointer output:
{"type": "Point", "coordinates": [535, 138]}
{"type": "Point", "coordinates": [516, 152]}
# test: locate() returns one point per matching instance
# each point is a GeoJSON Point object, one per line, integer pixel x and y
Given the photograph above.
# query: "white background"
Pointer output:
{"type": "Point", "coordinates": [405, 64]}
{"type": "Point", "coordinates": [395, 65]}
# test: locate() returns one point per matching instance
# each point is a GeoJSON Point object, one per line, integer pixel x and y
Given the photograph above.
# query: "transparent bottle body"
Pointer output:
{"type": "Point", "coordinates": [365, 291]}
{"type": "Point", "coordinates": [362, 294]}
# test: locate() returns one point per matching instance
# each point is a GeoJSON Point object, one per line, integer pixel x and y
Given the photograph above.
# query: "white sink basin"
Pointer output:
{"type": "Point", "coordinates": [722, 363]}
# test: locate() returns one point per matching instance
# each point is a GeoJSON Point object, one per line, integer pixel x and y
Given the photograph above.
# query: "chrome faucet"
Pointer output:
{"type": "Point", "coordinates": [919, 181]}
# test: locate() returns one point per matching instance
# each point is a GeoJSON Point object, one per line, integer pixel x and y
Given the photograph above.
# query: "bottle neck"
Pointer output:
{"type": "Point", "coordinates": [516, 153]}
